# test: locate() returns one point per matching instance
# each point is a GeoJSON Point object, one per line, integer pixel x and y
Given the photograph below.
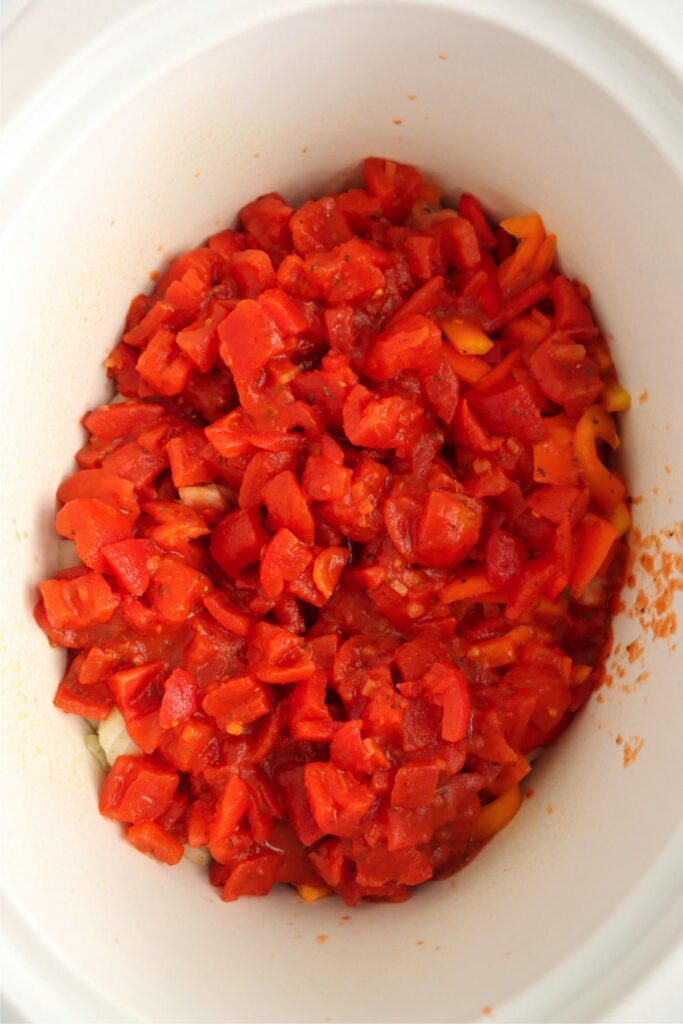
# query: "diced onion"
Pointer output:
{"type": "Point", "coordinates": [114, 738]}
{"type": "Point", "coordinates": [93, 745]}
{"type": "Point", "coordinates": [198, 854]}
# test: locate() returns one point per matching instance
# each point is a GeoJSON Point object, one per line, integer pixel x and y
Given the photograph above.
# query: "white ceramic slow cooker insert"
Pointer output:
{"type": "Point", "coordinates": [153, 136]}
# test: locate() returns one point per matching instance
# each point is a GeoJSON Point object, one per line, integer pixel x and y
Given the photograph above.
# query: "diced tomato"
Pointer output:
{"type": "Point", "coordinates": [92, 524]}
{"type": "Point", "coordinates": [78, 603]}
{"type": "Point", "coordinates": [395, 186]}
{"type": "Point", "coordinates": [254, 876]}
{"type": "Point", "coordinates": [137, 789]}
{"type": "Point", "coordinates": [150, 838]}
{"type": "Point", "coordinates": [412, 344]}
{"type": "Point", "coordinates": [237, 702]}
{"type": "Point", "coordinates": [180, 699]}
{"type": "Point", "coordinates": [447, 529]}
{"type": "Point", "coordinates": [248, 338]}
{"type": "Point", "coordinates": [337, 800]}
{"type": "Point", "coordinates": [278, 656]}
{"type": "Point", "coordinates": [98, 483]}
{"type": "Point", "coordinates": [237, 540]}
{"type": "Point", "coordinates": [505, 557]}
{"type": "Point", "coordinates": [128, 561]}
{"type": "Point", "coordinates": [284, 558]}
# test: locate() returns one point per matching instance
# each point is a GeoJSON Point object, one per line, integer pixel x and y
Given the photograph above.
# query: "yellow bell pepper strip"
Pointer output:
{"type": "Point", "coordinates": [620, 518]}
{"type": "Point", "coordinates": [596, 424]}
{"type": "Point", "coordinates": [615, 398]}
{"type": "Point", "coordinates": [468, 368]}
{"type": "Point", "coordinates": [554, 458]}
{"type": "Point", "coordinates": [594, 538]}
{"type": "Point", "coordinates": [601, 355]}
{"type": "Point", "coordinates": [466, 336]}
{"type": "Point", "coordinates": [312, 893]}
{"type": "Point", "coordinates": [499, 813]}
{"type": "Point", "coordinates": [531, 232]}
{"type": "Point", "coordinates": [579, 674]}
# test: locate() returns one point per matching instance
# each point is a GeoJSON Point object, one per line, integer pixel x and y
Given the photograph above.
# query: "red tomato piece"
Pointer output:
{"type": "Point", "coordinates": [150, 838]}
{"type": "Point", "coordinates": [284, 558]}
{"type": "Point", "coordinates": [180, 699]}
{"type": "Point", "coordinates": [319, 224]}
{"type": "Point", "coordinates": [162, 365]}
{"type": "Point", "coordinates": [287, 506]}
{"type": "Point", "coordinates": [248, 338]}
{"type": "Point", "coordinates": [285, 312]}
{"type": "Point", "coordinates": [237, 702]}
{"type": "Point", "coordinates": [508, 410]}
{"type": "Point", "coordinates": [348, 273]}
{"type": "Point", "coordinates": [278, 656]}
{"type": "Point", "coordinates": [137, 789]}
{"type": "Point", "coordinates": [185, 458]}
{"type": "Point", "coordinates": [505, 558]}
{"type": "Point", "coordinates": [98, 483]}
{"type": "Point", "coordinates": [92, 524]}
{"type": "Point", "coordinates": [448, 528]}
{"type": "Point", "coordinates": [412, 344]}
{"type": "Point", "coordinates": [253, 271]}
{"type": "Point", "coordinates": [395, 186]}
{"type": "Point", "coordinates": [176, 589]}
{"type": "Point", "coordinates": [338, 801]}
{"type": "Point", "coordinates": [254, 876]}
{"type": "Point", "coordinates": [228, 613]}
{"type": "Point", "coordinates": [118, 420]}
{"type": "Point", "coordinates": [128, 562]}
{"type": "Point", "coordinates": [78, 603]}
{"type": "Point", "coordinates": [375, 422]}
{"type": "Point", "coordinates": [266, 222]}
{"type": "Point", "coordinates": [415, 785]}
{"type": "Point", "coordinates": [237, 540]}
{"type": "Point", "coordinates": [232, 804]}
{"type": "Point", "coordinates": [75, 697]}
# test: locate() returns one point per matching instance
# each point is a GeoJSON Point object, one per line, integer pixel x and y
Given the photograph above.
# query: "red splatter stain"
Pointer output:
{"type": "Point", "coordinates": [321, 939]}
{"type": "Point", "coordinates": [643, 396]}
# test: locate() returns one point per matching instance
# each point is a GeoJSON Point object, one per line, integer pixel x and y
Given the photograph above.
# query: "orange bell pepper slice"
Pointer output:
{"type": "Point", "coordinates": [499, 813]}
{"type": "Point", "coordinates": [531, 232]}
{"type": "Point", "coordinates": [594, 538]}
{"type": "Point", "coordinates": [468, 368]}
{"type": "Point", "coordinates": [596, 424]}
{"type": "Point", "coordinates": [466, 336]}
{"type": "Point", "coordinates": [471, 585]}
{"type": "Point", "coordinates": [554, 457]}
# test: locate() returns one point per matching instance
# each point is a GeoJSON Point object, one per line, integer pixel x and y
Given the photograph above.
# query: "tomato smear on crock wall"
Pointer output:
{"type": "Point", "coordinates": [349, 542]}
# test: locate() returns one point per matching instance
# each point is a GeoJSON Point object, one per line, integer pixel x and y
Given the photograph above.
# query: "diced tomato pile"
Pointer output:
{"type": "Point", "coordinates": [349, 542]}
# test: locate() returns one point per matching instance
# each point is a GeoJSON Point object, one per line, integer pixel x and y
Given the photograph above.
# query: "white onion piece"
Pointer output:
{"type": "Point", "coordinates": [204, 496]}
{"type": "Point", "coordinates": [198, 855]}
{"type": "Point", "coordinates": [93, 745]}
{"type": "Point", "coordinates": [113, 737]}
{"type": "Point", "coordinates": [66, 554]}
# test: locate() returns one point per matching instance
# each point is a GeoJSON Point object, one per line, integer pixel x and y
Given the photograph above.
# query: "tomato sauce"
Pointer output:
{"type": "Point", "coordinates": [348, 540]}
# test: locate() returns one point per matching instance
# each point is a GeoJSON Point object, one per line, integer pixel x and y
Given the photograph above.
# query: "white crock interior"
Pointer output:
{"type": "Point", "coordinates": [184, 118]}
